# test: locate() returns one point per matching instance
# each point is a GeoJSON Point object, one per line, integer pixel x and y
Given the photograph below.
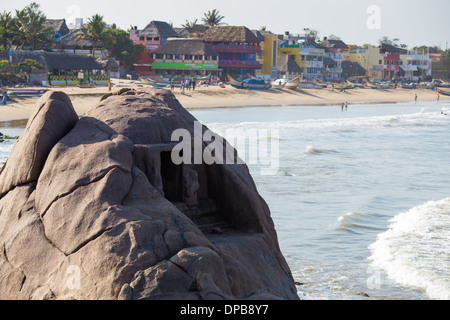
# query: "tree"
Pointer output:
{"type": "Point", "coordinates": [212, 18]}
{"type": "Point", "coordinates": [96, 32]}
{"type": "Point", "coordinates": [394, 42]}
{"type": "Point", "coordinates": [333, 37]}
{"type": "Point", "coordinates": [30, 28]}
{"type": "Point", "coordinates": [189, 24]}
{"type": "Point", "coordinates": [311, 35]}
{"type": "Point", "coordinates": [122, 48]}
{"type": "Point", "coordinates": [6, 29]}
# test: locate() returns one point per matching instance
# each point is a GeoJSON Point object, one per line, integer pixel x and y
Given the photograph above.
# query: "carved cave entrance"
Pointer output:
{"type": "Point", "coordinates": [186, 186]}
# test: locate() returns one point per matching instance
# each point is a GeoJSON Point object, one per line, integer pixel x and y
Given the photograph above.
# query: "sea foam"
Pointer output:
{"type": "Point", "coordinates": [415, 250]}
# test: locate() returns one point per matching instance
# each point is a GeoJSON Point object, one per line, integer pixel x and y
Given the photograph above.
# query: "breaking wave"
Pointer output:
{"type": "Point", "coordinates": [415, 250]}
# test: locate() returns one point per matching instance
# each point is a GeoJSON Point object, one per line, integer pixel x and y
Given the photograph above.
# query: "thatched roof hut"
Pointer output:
{"type": "Point", "coordinates": [352, 69]}
{"type": "Point", "coordinates": [53, 60]}
{"type": "Point", "coordinates": [71, 40]}
{"type": "Point", "coordinates": [182, 46]}
{"type": "Point", "coordinates": [159, 29]}
{"type": "Point", "coordinates": [58, 26]}
{"type": "Point", "coordinates": [287, 63]}
{"type": "Point", "coordinates": [227, 34]}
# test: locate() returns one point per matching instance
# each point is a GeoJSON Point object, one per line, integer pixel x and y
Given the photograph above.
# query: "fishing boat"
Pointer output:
{"type": "Point", "coordinates": [444, 93]}
{"type": "Point", "coordinates": [25, 92]}
{"type": "Point", "coordinates": [250, 83]}
{"type": "Point", "coordinates": [305, 85]}
{"type": "Point", "coordinates": [356, 85]}
{"type": "Point", "coordinates": [160, 85]}
{"type": "Point", "coordinates": [292, 84]}
{"type": "Point", "coordinates": [409, 86]}
{"type": "Point", "coordinates": [278, 84]}
{"type": "Point", "coordinates": [441, 84]}
{"type": "Point", "coordinates": [287, 84]}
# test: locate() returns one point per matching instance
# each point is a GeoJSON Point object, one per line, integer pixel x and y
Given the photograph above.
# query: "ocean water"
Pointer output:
{"type": "Point", "coordinates": [360, 198]}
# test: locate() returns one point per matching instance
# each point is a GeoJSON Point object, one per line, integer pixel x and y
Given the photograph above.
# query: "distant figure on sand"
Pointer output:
{"type": "Point", "coordinates": [415, 98]}
{"type": "Point", "coordinates": [109, 85]}
{"type": "Point", "coordinates": [346, 105]}
{"type": "Point", "coordinates": [5, 96]}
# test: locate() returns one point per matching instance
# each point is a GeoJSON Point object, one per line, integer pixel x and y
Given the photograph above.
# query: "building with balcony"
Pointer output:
{"type": "Point", "coordinates": [312, 58]}
{"type": "Point", "coordinates": [416, 65]}
{"type": "Point", "coordinates": [335, 51]}
{"type": "Point", "coordinates": [185, 57]}
{"type": "Point", "coordinates": [238, 48]}
{"type": "Point", "coordinates": [392, 61]}
{"type": "Point", "coordinates": [154, 35]}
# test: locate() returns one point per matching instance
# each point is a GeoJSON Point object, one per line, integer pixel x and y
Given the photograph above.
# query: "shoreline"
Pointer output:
{"type": "Point", "coordinates": [213, 97]}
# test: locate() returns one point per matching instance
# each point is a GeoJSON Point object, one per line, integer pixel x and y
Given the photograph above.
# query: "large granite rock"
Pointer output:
{"type": "Point", "coordinates": [95, 209]}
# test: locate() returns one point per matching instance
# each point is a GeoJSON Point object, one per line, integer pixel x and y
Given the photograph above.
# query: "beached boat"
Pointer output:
{"type": "Point", "coordinates": [444, 93]}
{"type": "Point", "coordinates": [292, 84]}
{"type": "Point", "coordinates": [278, 84]}
{"type": "Point", "coordinates": [441, 84]}
{"type": "Point", "coordinates": [160, 85]}
{"type": "Point", "coordinates": [305, 85]}
{"type": "Point", "coordinates": [356, 85]}
{"type": "Point", "coordinates": [25, 92]}
{"type": "Point", "coordinates": [251, 83]}
{"type": "Point", "coordinates": [409, 86]}
{"type": "Point", "coordinates": [286, 84]}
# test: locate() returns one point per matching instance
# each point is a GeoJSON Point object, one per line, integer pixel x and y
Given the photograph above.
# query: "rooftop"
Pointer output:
{"type": "Point", "coordinates": [158, 29]}
{"type": "Point", "coordinates": [186, 46]}
{"type": "Point", "coordinates": [239, 34]}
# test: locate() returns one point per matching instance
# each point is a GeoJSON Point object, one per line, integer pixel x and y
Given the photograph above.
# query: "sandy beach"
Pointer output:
{"type": "Point", "coordinates": [208, 97]}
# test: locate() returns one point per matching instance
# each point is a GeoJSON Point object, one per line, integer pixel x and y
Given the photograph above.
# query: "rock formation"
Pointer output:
{"type": "Point", "coordinates": [94, 208]}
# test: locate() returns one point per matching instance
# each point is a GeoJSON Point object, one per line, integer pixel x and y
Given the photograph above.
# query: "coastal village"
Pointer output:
{"type": "Point", "coordinates": [91, 54]}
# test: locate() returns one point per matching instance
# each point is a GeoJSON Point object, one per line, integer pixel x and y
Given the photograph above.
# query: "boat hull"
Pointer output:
{"type": "Point", "coordinates": [242, 85]}
{"type": "Point", "coordinates": [444, 93]}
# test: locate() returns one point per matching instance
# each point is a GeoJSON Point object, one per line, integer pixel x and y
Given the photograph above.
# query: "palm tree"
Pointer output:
{"type": "Point", "coordinates": [189, 24]}
{"type": "Point", "coordinates": [212, 18]}
{"type": "Point", "coordinates": [29, 24]}
{"type": "Point", "coordinates": [96, 32]}
{"type": "Point", "coordinates": [6, 29]}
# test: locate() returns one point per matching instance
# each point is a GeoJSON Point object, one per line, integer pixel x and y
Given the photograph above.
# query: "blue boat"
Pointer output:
{"type": "Point", "coordinates": [251, 83]}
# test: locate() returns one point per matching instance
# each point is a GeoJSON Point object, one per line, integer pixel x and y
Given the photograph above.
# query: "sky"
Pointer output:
{"type": "Point", "coordinates": [414, 22]}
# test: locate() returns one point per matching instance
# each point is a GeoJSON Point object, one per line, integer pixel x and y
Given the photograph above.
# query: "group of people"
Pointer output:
{"type": "Point", "coordinates": [344, 105]}
{"type": "Point", "coordinates": [186, 84]}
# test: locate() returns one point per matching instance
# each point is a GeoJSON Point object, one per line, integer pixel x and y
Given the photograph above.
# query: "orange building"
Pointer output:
{"type": "Point", "coordinates": [154, 35]}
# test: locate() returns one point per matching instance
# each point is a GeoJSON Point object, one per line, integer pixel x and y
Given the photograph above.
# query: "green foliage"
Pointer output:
{"type": "Point", "coordinates": [31, 64]}
{"type": "Point", "coordinates": [189, 24]}
{"type": "Point", "coordinates": [97, 32]}
{"type": "Point", "coordinates": [29, 29]}
{"type": "Point", "coordinates": [122, 48]}
{"type": "Point", "coordinates": [212, 18]}
{"type": "Point", "coordinates": [4, 64]}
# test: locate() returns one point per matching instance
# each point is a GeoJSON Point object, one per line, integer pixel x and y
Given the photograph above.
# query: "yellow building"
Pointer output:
{"type": "Point", "coordinates": [268, 59]}
{"type": "Point", "coordinates": [370, 59]}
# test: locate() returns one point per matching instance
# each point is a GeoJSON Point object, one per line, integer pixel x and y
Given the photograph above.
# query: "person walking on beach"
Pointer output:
{"type": "Point", "coordinates": [193, 84]}
{"type": "Point", "coordinates": [415, 98]}
{"type": "Point", "coordinates": [346, 105]}
{"type": "Point", "coordinates": [109, 85]}
{"type": "Point", "coordinates": [5, 97]}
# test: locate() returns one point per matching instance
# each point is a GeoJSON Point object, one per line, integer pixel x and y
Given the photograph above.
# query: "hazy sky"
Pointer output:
{"type": "Point", "coordinates": [414, 22]}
